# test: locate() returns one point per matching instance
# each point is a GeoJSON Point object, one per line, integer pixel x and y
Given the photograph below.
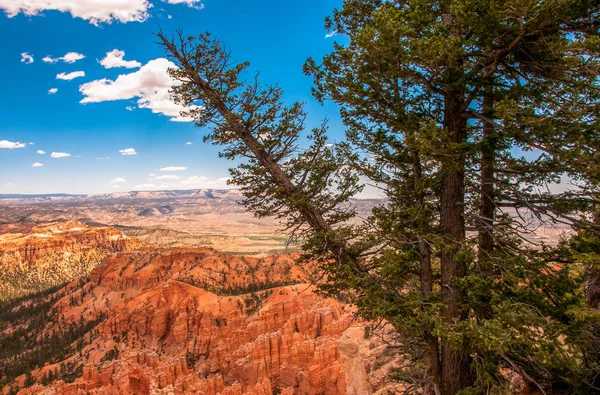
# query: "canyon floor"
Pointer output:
{"type": "Point", "coordinates": [171, 293]}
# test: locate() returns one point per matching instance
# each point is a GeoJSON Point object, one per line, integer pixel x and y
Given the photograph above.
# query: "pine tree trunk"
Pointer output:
{"type": "Point", "coordinates": [432, 354]}
{"type": "Point", "coordinates": [592, 278]}
{"type": "Point", "coordinates": [456, 372]}
{"type": "Point", "coordinates": [487, 207]}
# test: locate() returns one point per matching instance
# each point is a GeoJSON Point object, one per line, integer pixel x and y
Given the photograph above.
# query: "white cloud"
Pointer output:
{"type": "Point", "coordinates": [9, 184]}
{"type": "Point", "coordinates": [26, 57]}
{"type": "Point", "coordinates": [37, 164]}
{"type": "Point", "coordinates": [190, 3]}
{"type": "Point", "coordinates": [205, 182]}
{"type": "Point", "coordinates": [41, 152]}
{"type": "Point", "coordinates": [114, 58]}
{"type": "Point", "coordinates": [118, 180]}
{"type": "Point", "coordinates": [128, 151]}
{"type": "Point", "coordinates": [103, 158]}
{"type": "Point", "coordinates": [150, 84]}
{"type": "Point", "coordinates": [70, 76]}
{"type": "Point", "coordinates": [69, 57]}
{"type": "Point", "coordinates": [11, 145]}
{"type": "Point", "coordinates": [129, 108]}
{"type": "Point", "coordinates": [167, 177]}
{"type": "Point", "coordinates": [52, 91]}
{"type": "Point", "coordinates": [188, 143]}
{"type": "Point", "coordinates": [146, 186]}
{"type": "Point", "coordinates": [173, 168]}
{"type": "Point", "coordinates": [59, 155]}
{"type": "Point", "coordinates": [152, 175]}
{"type": "Point", "coordinates": [31, 143]}
{"type": "Point", "coordinates": [92, 10]}
{"type": "Point", "coordinates": [331, 34]}
{"type": "Point", "coordinates": [169, 16]}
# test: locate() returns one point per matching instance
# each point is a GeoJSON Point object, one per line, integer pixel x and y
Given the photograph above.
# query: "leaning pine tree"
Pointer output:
{"type": "Point", "coordinates": [467, 114]}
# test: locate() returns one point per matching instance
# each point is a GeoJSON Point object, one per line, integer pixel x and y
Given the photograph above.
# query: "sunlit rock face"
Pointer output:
{"type": "Point", "coordinates": [36, 257]}
{"type": "Point", "coordinates": [193, 321]}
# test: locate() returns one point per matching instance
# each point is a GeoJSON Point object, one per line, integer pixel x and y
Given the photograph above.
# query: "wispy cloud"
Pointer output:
{"type": "Point", "coordinates": [190, 3]}
{"type": "Point", "coordinates": [128, 151]}
{"type": "Point", "coordinates": [118, 180]}
{"type": "Point", "coordinates": [70, 57]}
{"type": "Point", "coordinates": [41, 152]}
{"type": "Point", "coordinates": [26, 58]}
{"type": "Point", "coordinates": [57, 155]}
{"type": "Point", "coordinates": [167, 177]}
{"type": "Point", "coordinates": [205, 182]}
{"type": "Point", "coordinates": [52, 91]}
{"type": "Point", "coordinates": [69, 76]}
{"type": "Point", "coordinates": [331, 34]}
{"type": "Point", "coordinates": [37, 164]}
{"type": "Point", "coordinates": [188, 143]}
{"type": "Point", "coordinates": [173, 168]}
{"type": "Point", "coordinates": [146, 186]}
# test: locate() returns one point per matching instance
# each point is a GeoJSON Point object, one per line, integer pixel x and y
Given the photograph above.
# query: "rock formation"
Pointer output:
{"type": "Point", "coordinates": [193, 321]}
{"type": "Point", "coordinates": [36, 257]}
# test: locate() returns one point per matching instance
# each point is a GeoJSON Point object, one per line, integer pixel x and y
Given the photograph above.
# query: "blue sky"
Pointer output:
{"type": "Point", "coordinates": [276, 37]}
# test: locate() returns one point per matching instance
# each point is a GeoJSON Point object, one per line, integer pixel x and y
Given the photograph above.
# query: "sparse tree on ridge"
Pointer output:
{"type": "Point", "coordinates": [441, 99]}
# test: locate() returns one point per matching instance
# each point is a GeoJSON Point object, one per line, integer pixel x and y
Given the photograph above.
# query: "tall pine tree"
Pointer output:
{"type": "Point", "coordinates": [467, 114]}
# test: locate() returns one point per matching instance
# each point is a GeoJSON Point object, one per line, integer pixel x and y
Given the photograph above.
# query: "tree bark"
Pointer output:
{"type": "Point", "coordinates": [456, 372]}
{"type": "Point", "coordinates": [487, 207]}
{"type": "Point", "coordinates": [311, 215]}
{"type": "Point", "coordinates": [431, 353]}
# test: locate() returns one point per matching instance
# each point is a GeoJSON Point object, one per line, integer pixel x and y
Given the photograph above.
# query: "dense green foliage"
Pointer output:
{"type": "Point", "coordinates": [467, 114]}
{"type": "Point", "coordinates": [29, 344]}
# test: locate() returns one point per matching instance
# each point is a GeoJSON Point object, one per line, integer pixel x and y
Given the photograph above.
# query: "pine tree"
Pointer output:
{"type": "Point", "coordinates": [439, 99]}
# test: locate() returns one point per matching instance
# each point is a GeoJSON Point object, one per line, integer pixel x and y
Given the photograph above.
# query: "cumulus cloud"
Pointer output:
{"type": "Point", "coordinates": [128, 151]}
{"type": "Point", "coordinates": [167, 177]}
{"type": "Point", "coordinates": [118, 180]}
{"type": "Point", "coordinates": [11, 145]}
{"type": "Point", "coordinates": [41, 152]}
{"type": "Point", "coordinates": [37, 164]}
{"type": "Point", "coordinates": [173, 168]}
{"type": "Point", "coordinates": [114, 59]}
{"type": "Point", "coordinates": [91, 10]}
{"type": "Point", "coordinates": [69, 57]}
{"type": "Point", "coordinates": [70, 76]}
{"type": "Point", "coordinates": [59, 155]}
{"type": "Point", "coordinates": [26, 57]}
{"type": "Point", "coordinates": [188, 143]}
{"type": "Point", "coordinates": [150, 85]}
{"type": "Point", "coordinates": [52, 91]}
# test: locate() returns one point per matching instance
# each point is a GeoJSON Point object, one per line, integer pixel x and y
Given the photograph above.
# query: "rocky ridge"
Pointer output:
{"type": "Point", "coordinates": [179, 321]}
{"type": "Point", "coordinates": [37, 257]}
